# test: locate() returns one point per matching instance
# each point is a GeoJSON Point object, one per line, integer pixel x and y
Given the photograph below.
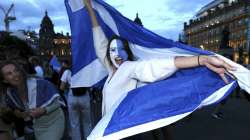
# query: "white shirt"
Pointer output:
{"type": "Point", "coordinates": [126, 77]}
{"type": "Point", "coordinates": [66, 76]}
{"type": "Point", "coordinates": [39, 71]}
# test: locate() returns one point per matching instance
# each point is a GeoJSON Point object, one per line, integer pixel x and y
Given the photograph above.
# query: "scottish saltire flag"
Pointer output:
{"type": "Point", "coordinates": [55, 64]}
{"type": "Point", "coordinates": [155, 104]}
{"type": "Point", "coordinates": [41, 93]}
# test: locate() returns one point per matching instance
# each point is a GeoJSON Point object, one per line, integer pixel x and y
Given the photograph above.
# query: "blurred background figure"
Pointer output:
{"type": "Point", "coordinates": [16, 113]}
{"type": "Point", "coordinates": [35, 63]}
{"type": "Point", "coordinates": [65, 77]}
{"type": "Point", "coordinates": [64, 89]}
{"type": "Point", "coordinates": [78, 105]}
{"type": "Point", "coordinates": [6, 125]}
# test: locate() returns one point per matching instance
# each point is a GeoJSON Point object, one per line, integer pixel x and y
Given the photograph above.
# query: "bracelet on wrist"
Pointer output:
{"type": "Point", "coordinates": [198, 60]}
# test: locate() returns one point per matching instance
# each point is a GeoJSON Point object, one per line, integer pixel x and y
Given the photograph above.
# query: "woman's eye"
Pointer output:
{"type": "Point", "coordinates": [112, 49]}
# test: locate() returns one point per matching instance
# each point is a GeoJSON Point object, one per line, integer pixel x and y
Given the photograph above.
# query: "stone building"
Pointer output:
{"type": "Point", "coordinates": [51, 43]}
{"type": "Point", "coordinates": [62, 46]}
{"type": "Point", "coordinates": [222, 26]}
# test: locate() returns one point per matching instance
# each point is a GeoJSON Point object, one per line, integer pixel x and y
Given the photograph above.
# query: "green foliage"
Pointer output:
{"type": "Point", "coordinates": [12, 47]}
{"type": "Point", "coordinates": [16, 50]}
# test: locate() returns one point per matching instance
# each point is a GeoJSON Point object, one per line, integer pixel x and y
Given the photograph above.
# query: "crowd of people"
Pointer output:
{"type": "Point", "coordinates": [36, 105]}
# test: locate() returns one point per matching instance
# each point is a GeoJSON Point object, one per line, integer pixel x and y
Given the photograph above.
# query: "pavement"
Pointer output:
{"type": "Point", "coordinates": [235, 124]}
{"type": "Point", "coordinates": [200, 125]}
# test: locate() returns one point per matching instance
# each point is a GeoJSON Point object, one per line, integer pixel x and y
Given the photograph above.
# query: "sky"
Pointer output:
{"type": "Point", "coordinates": [164, 17]}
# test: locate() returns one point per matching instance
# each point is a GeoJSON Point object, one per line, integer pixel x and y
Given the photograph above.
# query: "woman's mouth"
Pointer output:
{"type": "Point", "coordinates": [118, 60]}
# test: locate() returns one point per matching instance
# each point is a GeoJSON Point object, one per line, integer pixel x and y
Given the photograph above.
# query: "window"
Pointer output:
{"type": "Point", "coordinates": [63, 53]}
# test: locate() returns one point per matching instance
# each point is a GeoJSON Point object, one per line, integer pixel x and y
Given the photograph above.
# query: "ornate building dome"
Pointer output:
{"type": "Point", "coordinates": [51, 43]}
{"type": "Point", "coordinates": [46, 25]}
{"type": "Point", "coordinates": [46, 20]}
{"type": "Point", "coordinates": [138, 20]}
{"type": "Point", "coordinates": [46, 35]}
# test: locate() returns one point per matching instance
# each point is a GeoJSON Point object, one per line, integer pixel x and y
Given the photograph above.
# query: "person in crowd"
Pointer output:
{"type": "Point", "coordinates": [34, 100]}
{"type": "Point", "coordinates": [125, 71]}
{"type": "Point", "coordinates": [5, 124]}
{"type": "Point", "coordinates": [10, 123]}
{"type": "Point", "coordinates": [95, 104]}
{"type": "Point", "coordinates": [34, 61]}
{"type": "Point", "coordinates": [54, 78]}
{"type": "Point", "coordinates": [65, 66]}
{"type": "Point", "coordinates": [78, 106]}
{"type": "Point", "coordinates": [5, 131]}
{"type": "Point", "coordinates": [65, 76]}
{"type": "Point", "coordinates": [64, 88]}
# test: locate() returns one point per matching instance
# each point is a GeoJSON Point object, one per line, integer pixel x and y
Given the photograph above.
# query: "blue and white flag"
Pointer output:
{"type": "Point", "coordinates": [55, 64]}
{"type": "Point", "coordinates": [154, 105]}
{"type": "Point", "coordinates": [41, 93]}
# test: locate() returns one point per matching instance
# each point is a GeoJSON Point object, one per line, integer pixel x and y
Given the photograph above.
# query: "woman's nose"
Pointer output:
{"type": "Point", "coordinates": [15, 74]}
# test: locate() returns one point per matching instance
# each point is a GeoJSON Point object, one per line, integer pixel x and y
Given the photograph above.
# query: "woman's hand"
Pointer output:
{"type": "Point", "coordinates": [91, 12]}
{"type": "Point", "coordinates": [216, 65]}
{"type": "Point", "coordinates": [37, 112]}
{"type": "Point", "coordinates": [4, 110]}
{"type": "Point", "coordinates": [20, 114]}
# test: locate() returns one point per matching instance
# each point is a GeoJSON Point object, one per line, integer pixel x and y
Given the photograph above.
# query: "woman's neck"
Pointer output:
{"type": "Point", "coordinates": [114, 68]}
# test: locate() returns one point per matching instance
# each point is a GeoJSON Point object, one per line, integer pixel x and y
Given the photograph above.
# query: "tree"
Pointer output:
{"type": "Point", "coordinates": [13, 48]}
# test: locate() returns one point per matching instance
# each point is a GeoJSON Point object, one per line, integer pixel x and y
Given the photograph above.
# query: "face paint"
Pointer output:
{"type": "Point", "coordinates": [117, 52]}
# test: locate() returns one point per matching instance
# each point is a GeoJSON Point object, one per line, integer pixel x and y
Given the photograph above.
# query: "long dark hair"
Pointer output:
{"type": "Point", "coordinates": [126, 47]}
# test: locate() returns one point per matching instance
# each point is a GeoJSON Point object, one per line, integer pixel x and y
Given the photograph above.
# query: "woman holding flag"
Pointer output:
{"type": "Point", "coordinates": [115, 52]}
{"type": "Point", "coordinates": [35, 101]}
{"type": "Point", "coordinates": [125, 72]}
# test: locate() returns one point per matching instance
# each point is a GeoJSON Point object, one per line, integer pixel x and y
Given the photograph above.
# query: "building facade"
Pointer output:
{"type": "Point", "coordinates": [51, 43]}
{"type": "Point", "coordinates": [222, 25]}
{"type": "Point", "coordinates": [58, 44]}
{"type": "Point", "coordinates": [62, 46]}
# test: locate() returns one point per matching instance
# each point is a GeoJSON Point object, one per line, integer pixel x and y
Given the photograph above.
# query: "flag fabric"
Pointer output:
{"type": "Point", "coordinates": [40, 92]}
{"type": "Point", "coordinates": [153, 105]}
{"type": "Point", "coordinates": [55, 63]}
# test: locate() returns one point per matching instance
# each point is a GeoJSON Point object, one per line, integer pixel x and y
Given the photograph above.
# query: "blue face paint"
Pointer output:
{"type": "Point", "coordinates": [117, 51]}
{"type": "Point", "coordinates": [121, 50]}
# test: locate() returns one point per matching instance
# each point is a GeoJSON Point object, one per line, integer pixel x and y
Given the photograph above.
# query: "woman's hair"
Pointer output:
{"type": "Point", "coordinates": [126, 47]}
{"type": "Point", "coordinates": [18, 67]}
{"type": "Point", "coordinates": [34, 60]}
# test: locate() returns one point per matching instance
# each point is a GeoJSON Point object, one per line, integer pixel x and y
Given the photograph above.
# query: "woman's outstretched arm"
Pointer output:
{"type": "Point", "coordinates": [213, 63]}
{"type": "Point", "coordinates": [91, 13]}
{"type": "Point", "coordinates": [100, 40]}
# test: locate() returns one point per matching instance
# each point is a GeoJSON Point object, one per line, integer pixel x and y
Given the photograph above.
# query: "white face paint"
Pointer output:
{"type": "Point", "coordinates": [117, 52]}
